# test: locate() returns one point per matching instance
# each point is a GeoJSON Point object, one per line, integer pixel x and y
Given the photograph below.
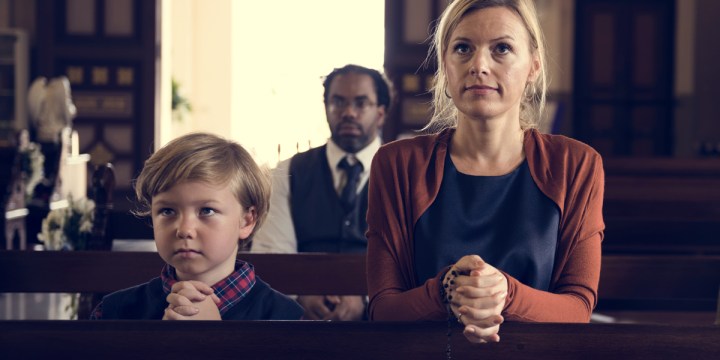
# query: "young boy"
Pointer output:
{"type": "Point", "coordinates": [206, 196]}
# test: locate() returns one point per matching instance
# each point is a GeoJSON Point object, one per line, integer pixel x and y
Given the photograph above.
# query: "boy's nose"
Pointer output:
{"type": "Point", "coordinates": [184, 233]}
{"type": "Point", "coordinates": [185, 229]}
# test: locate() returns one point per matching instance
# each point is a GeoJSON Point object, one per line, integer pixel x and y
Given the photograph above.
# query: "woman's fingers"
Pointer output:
{"type": "Point", "coordinates": [481, 335]}
{"type": "Point", "coordinates": [479, 318]}
{"type": "Point", "coordinates": [468, 263]}
{"type": "Point", "coordinates": [477, 312]}
{"type": "Point", "coordinates": [476, 286]}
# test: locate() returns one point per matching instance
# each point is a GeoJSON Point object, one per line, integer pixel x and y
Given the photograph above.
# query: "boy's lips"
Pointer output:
{"type": "Point", "coordinates": [187, 253]}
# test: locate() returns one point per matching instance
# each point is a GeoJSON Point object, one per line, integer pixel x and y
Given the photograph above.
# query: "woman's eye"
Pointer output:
{"type": "Point", "coordinates": [503, 48]}
{"type": "Point", "coordinates": [461, 48]}
{"type": "Point", "coordinates": [207, 211]}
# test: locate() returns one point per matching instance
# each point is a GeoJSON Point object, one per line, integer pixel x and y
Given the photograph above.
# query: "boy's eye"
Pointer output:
{"type": "Point", "coordinates": [207, 211]}
{"type": "Point", "coordinates": [165, 212]}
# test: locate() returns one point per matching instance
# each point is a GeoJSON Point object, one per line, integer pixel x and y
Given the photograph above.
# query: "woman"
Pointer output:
{"type": "Point", "coordinates": [486, 220]}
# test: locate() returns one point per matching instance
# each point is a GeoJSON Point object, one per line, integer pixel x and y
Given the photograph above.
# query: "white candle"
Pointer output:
{"type": "Point", "coordinates": [74, 175]}
{"type": "Point", "coordinates": [75, 179]}
{"type": "Point", "coordinates": [75, 144]}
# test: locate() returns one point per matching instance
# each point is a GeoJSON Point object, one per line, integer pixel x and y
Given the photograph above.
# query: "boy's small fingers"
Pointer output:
{"type": "Point", "coordinates": [203, 287]}
{"type": "Point", "coordinates": [191, 294]}
{"type": "Point", "coordinates": [177, 300]}
{"type": "Point", "coordinates": [333, 299]}
{"type": "Point", "coordinates": [186, 310]}
{"type": "Point", "coordinates": [215, 299]}
{"type": "Point", "coordinates": [170, 314]}
{"type": "Point", "coordinates": [192, 285]}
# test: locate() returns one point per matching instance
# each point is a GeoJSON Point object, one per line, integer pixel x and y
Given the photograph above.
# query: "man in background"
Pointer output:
{"type": "Point", "coordinates": [319, 197]}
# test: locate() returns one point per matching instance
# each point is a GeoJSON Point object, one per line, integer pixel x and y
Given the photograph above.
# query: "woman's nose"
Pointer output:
{"type": "Point", "coordinates": [480, 63]}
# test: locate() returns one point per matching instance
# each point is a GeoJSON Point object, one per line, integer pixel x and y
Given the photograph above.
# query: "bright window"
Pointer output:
{"type": "Point", "coordinates": [252, 70]}
{"type": "Point", "coordinates": [290, 45]}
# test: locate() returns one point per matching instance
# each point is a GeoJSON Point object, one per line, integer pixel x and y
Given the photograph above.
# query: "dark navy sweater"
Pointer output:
{"type": "Point", "coordinates": [147, 302]}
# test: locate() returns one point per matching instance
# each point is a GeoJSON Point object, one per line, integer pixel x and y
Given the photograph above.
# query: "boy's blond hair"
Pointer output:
{"type": "Point", "coordinates": [209, 159]}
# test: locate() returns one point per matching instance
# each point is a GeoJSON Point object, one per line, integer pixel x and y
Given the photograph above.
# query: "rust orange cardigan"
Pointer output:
{"type": "Point", "coordinates": [405, 179]}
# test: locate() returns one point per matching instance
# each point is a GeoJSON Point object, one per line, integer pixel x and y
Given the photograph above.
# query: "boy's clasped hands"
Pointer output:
{"type": "Point", "coordinates": [192, 300]}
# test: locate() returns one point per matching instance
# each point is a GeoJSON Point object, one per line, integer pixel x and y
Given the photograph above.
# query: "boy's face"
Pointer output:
{"type": "Point", "coordinates": [197, 227]}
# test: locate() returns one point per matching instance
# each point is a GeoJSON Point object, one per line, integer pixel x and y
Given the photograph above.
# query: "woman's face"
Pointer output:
{"type": "Point", "coordinates": [488, 63]}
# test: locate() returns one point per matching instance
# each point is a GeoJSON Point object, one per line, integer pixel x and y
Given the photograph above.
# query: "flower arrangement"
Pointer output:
{"type": "Point", "coordinates": [68, 228]}
{"type": "Point", "coordinates": [32, 167]}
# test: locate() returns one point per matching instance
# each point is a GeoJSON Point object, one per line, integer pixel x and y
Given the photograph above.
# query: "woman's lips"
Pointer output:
{"type": "Point", "coordinates": [480, 89]}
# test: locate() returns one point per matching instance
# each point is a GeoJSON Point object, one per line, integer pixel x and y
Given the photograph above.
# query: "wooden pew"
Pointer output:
{"type": "Point", "coordinates": [659, 282]}
{"type": "Point", "coordinates": [87, 271]}
{"type": "Point", "coordinates": [671, 283]}
{"type": "Point", "coordinates": [347, 340]}
{"type": "Point", "coordinates": [662, 206]}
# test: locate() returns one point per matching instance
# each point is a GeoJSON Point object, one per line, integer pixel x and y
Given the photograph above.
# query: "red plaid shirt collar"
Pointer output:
{"type": "Point", "coordinates": [230, 290]}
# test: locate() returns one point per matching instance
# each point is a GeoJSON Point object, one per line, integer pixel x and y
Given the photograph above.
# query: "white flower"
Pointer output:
{"type": "Point", "coordinates": [68, 228]}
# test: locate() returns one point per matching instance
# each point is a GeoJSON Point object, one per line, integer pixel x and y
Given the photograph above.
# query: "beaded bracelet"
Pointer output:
{"type": "Point", "coordinates": [446, 296]}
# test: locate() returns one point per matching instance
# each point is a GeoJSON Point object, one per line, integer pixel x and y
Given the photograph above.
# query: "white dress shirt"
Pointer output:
{"type": "Point", "coordinates": [277, 234]}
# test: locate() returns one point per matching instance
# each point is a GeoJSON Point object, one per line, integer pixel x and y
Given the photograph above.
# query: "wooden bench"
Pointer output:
{"type": "Point", "coordinates": [662, 206]}
{"type": "Point", "coordinates": [674, 283]}
{"type": "Point", "coordinates": [88, 271]}
{"type": "Point", "coordinates": [347, 340]}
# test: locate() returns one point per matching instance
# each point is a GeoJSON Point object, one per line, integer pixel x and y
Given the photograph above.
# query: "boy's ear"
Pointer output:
{"type": "Point", "coordinates": [247, 225]}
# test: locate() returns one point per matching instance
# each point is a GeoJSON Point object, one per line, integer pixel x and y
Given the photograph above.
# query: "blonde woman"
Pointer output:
{"type": "Point", "coordinates": [486, 220]}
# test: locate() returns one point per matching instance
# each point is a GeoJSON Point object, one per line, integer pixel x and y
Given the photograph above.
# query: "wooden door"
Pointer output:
{"type": "Point", "coordinates": [624, 74]}
{"type": "Point", "coordinates": [408, 26]}
{"type": "Point", "coordinates": [109, 49]}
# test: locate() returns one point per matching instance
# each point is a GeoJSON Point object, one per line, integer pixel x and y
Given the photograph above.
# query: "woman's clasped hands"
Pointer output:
{"type": "Point", "coordinates": [476, 292]}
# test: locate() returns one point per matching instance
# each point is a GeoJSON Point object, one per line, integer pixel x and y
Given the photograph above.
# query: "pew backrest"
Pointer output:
{"type": "Point", "coordinates": [634, 282]}
{"type": "Point", "coordinates": [662, 206]}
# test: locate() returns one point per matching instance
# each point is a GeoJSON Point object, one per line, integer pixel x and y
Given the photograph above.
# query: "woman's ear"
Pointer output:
{"type": "Point", "coordinates": [249, 220]}
{"type": "Point", "coordinates": [534, 68]}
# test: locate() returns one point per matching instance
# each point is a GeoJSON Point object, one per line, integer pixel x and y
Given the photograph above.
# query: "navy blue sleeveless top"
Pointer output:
{"type": "Point", "coordinates": [504, 219]}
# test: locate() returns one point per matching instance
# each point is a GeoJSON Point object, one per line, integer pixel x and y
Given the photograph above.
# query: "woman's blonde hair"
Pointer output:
{"type": "Point", "coordinates": [210, 159]}
{"type": "Point", "coordinates": [533, 101]}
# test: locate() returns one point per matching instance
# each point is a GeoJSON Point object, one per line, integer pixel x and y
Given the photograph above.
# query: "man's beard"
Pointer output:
{"type": "Point", "coordinates": [350, 143]}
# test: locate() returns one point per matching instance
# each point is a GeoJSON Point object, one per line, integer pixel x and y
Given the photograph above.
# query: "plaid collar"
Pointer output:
{"type": "Point", "coordinates": [230, 290]}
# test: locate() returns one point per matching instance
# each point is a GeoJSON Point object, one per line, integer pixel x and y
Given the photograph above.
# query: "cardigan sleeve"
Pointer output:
{"type": "Point", "coordinates": [574, 294]}
{"type": "Point", "coordinates": [389, 267]}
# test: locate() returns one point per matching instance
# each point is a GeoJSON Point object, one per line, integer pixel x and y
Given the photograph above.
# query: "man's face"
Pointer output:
{"type": "Point", "coordinates": [352, 111]}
